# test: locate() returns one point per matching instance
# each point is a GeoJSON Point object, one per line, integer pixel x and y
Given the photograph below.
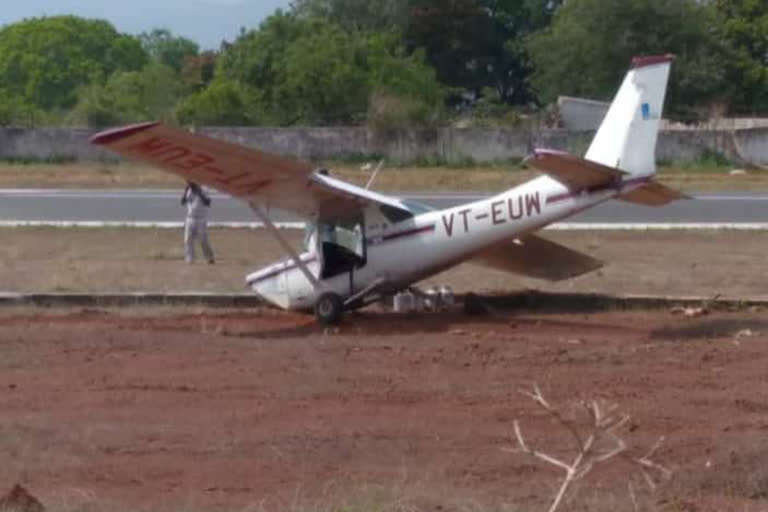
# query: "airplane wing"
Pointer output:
{"type": "Point", "coordinates": [574, 172]}
{"type": "Point", "coordinates": [536, 257]}
{"type": "Point", "coordinates": [268, 180]}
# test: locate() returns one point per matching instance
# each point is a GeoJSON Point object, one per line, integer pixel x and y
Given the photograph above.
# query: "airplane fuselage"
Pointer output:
{"type": "Point", "coordinates": [426, 244]}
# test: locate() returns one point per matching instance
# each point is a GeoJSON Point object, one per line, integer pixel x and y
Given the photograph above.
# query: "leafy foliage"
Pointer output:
{"type": "Point", "coordinates": [224, 102]}
{"type": "Point", "coordinates": [129, 96]}
{"type": "Point", "coordinates": [590, 43]}
{"type": "Point", "coordinates": [476, 44]}
{"type": "Point", "coordinates": [44, 61]}
{"type": "Point", "coordinates": [388, 63]}
{"type": "Point", "coordinates": [378, 16]}
{"type": "Point", "coordinates": [312, 71]}
{"type": "Point", "coordinates": [167, 49]}
{"type": "Point", "coordinates": [744, 26]}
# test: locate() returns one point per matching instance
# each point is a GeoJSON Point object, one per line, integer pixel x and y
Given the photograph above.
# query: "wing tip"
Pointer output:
{"type": "Point", "coordinates": [111, 135]}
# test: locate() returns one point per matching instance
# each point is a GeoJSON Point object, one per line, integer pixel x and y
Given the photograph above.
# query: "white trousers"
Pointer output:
{"type": "Point", "coordinates": [196, 229]}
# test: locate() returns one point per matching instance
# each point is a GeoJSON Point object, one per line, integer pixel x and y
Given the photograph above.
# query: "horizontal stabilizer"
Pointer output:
{"type": "Point", "coordinates": [536, 257]}
{"type": "Point", "coordinates": [574, 172]}
{"type": "Point", "coordinates": [653, 194]}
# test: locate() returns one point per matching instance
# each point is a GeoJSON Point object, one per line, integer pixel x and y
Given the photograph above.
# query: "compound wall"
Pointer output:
{"type": "Point", "coordinates": [452, 145]}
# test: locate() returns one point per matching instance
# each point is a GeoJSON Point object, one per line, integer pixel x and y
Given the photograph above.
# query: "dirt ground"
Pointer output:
{"type": "Point", "coordinates": [262, 410]}
{"type": "Point", "coordinates": [701, 263]}
{"type": "Point", "coordinates": [191, 409]}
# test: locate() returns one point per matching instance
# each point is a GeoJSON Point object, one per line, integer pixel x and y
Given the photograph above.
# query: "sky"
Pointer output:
{"type": "Point", "coordinates": [207, 22]}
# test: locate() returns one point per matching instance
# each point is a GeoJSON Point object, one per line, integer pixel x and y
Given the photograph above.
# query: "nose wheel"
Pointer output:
{"type": "Point", "coordinates": [328, 308]}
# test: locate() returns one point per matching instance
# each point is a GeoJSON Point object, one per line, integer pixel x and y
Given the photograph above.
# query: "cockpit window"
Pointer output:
{"type": "Point", "coordinates": [417, 207]}
{"type": "Point", "coordinates": [393, 214]}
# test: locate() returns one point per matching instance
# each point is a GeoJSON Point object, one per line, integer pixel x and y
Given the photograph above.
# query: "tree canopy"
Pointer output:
{"type": "Point", "coordinates": [386, 63]}
{"type": "Point", "coordinates": [167, 49]}
{"type": "Point", "coordinates": [587, 48]}
{"type": "Point", "coordinates": [44, 61]}
{"type": "Point", "coordinates": [744, 27]}
{"type": "Point", "coordinates": [309, 70]}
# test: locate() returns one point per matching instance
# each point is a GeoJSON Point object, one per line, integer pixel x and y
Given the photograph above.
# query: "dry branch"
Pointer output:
{"type": "Point", "coordinates": [603, 432]}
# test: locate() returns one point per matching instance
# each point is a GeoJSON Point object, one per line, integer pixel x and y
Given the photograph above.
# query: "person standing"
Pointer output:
{"type": "Point", "coordinates": [196, 225]}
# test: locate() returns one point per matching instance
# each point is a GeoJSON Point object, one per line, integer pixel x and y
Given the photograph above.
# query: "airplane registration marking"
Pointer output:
{"type": "Point", "coordinates": [231, 179]}
{"type": "Point", "coordinates": [500, 212]}
{"type": "Point", "coordinates": [175, 155]}
{"type": "Point", "coordinates": [185, 159]}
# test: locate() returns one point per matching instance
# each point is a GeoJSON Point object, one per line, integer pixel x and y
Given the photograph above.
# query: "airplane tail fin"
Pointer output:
{"type": "Point", "coordinates": [623, 152]}
{"type": "Point", "coordinates": [626, 139]}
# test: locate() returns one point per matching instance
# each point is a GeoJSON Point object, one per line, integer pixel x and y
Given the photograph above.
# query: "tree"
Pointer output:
{"type": "Point", "coordinates": [744, 26]}
{"type": "Point", "coordinates": [167, 49]}
{"type": "Point", "coordinates": [591, 42]}
{"type": "Point", "coordinates": [224, 102]}
{"type": "Point", "coordinates": [476, 44]}
{"type": "Point", "coordinates": [404, 88]}
{"type": "Point", "coordinates": [129, 96]}
{"type": "Point", "coordinates": [457, 36]}
{"type": "Point", "coordinates": [364, 15]}
{"type": "Point", "coordinates": [198, 71]}
{"type": "Point", "coordinates": [44, 61]}
{"type": "Point", "coordinates": [312, 71]}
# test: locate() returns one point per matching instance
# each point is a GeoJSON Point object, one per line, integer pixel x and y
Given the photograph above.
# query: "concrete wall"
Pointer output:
{"type": "Point", "coordinates": [742, 147]}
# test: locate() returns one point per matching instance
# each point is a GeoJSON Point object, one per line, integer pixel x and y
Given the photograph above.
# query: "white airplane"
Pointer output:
{"type": "Point", "coordinates": [361, 246]}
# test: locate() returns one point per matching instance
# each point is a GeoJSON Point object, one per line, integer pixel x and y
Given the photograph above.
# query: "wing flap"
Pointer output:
{"type": "Point", "coordinates": [573, 172]}
{"type": "Point", "coordinates": [653, 194]}
{"type": "Point", "coordinates": [536, 257]}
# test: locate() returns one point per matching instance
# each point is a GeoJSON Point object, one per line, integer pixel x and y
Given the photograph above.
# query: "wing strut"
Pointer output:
{"type": "Point", "coordinates": [264, 218]}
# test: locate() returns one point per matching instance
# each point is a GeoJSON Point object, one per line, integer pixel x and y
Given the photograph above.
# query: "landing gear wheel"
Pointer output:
{"type": "Point", "coordinates": [328, 308]}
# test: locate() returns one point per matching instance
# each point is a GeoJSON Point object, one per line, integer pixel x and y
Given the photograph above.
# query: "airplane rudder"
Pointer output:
{"type": "Point", "coordinates": [626, 139]}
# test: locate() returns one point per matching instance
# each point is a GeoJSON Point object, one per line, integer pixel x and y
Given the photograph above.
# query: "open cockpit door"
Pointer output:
{"type": "Point", "coordinates": [341, 245]}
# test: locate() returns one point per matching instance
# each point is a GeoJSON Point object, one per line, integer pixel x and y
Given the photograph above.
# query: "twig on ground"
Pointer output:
{"type": "Point", "coordinates": [601, 444]}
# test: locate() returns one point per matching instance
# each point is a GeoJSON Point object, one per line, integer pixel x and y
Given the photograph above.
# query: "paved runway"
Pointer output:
{"type": "Point", "coordinates": [163, 206]}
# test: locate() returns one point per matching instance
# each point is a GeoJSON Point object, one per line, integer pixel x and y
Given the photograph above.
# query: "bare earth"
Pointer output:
{"type": "Point", "coordinates": [191, 409]}
{"type": "Point", "coordinates": [261, 410]}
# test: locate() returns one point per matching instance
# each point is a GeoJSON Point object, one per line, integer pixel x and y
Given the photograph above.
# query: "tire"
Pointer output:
{"type": "Point", "coordinates": [328, 308]}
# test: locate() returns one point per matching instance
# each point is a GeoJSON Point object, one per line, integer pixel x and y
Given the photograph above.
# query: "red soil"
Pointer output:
{"type": "Point", "coordinates": [227, 410]}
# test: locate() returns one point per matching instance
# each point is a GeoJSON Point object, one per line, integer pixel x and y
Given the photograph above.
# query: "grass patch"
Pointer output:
{"type": "Point", "coordinates": [151, 260]}
{"type": "Point", "coordinates": [707, 175]}
{"type": "Point", "coordinates": [709, 162]}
